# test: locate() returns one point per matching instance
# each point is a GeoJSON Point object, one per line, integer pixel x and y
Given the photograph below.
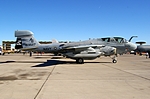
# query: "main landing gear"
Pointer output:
{"type": "Point", "coordinates": [80, 61]}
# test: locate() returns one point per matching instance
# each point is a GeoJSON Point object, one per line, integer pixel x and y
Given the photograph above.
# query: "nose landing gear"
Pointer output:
{"type": "Point", "coordinates": [114, 59]}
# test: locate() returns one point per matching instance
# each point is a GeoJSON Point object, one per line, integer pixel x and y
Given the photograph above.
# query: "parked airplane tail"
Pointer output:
{"type": "Point", "coordinates": [25, 40]}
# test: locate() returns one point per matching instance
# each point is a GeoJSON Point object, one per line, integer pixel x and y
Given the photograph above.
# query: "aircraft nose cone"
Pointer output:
{"type": "Point", "coordinates": [131, 46]}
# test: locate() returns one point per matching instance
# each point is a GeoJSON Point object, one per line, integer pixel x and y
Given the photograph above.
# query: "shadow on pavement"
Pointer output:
{"type": "Point", "coordinates": [7, 62]}
{"type": "Point", "coordinates": [56, 62]}
{"type": "Point", "coordinates": [49, 62]}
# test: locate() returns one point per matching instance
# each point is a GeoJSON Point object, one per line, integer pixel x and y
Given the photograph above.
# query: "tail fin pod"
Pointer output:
{"type": "Point", "coordinates": [25, 40]}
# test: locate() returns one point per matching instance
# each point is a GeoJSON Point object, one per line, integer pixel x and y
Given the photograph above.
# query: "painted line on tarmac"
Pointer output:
{"type": "Point", "coordinates": [44, 82]}
{"type": "Point", "coordinates": [127, 72]}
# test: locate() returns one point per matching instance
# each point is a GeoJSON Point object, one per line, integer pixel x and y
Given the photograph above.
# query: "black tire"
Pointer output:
{"type": "Point", "coordinates": [149, 54]}
{"type": "Point", "coordinates": [80, 61]}
{"type": "Point", "coordinates": [114, 61]}
{"type": "Point", "coordinates": [3, 53]}
{"type": "Point", "coordinates": [30, 54]}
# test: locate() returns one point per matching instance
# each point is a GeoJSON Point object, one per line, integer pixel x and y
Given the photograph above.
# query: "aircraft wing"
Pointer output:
{"type": "Point", "coordinates": [28, 49]}
{"type": "Point", "coordinates": [81, 48]}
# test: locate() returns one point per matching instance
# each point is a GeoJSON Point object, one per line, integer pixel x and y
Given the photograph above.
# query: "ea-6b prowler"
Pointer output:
{"type": "Point", "coordinates": [80, 51]}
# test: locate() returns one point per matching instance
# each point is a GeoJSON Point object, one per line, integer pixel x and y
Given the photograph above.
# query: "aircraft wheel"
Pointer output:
{"type": "Point", "coordinates": [149, 54]}
{"type": "Point", "coordinates": [114, 61]}
{"type": "Point", "coordinates": [80, 61]}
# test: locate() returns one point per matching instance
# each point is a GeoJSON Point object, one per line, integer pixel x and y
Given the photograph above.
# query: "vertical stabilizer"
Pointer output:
{"type": "Point", "coordinates": [25, 40]}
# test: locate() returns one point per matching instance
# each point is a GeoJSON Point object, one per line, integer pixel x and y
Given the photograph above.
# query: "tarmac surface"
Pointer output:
{"type": "Point", "coordinates": [44, 77]}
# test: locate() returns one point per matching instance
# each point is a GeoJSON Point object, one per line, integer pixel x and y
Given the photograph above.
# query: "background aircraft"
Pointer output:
{"type": "Point", "coordinates": [1, 51]}
{"type": "Point", "coordinates": [143, 48]}
{"type": "Point", "coordinates": [80, 51]}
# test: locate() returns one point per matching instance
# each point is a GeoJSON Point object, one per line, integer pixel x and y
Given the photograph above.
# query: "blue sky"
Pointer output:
{"type": "Point", "coordinates": [75, 20]}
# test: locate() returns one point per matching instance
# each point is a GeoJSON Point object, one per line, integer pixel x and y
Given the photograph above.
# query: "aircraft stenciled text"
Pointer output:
{"type": "Point", "coordinates": [18, 42]}
{"type": "Point", "coordinates": [33, 44]}
{"type": "Point", "coordinates": [25, 39]}
{"type": "Point", "coordinates": [47, 48]}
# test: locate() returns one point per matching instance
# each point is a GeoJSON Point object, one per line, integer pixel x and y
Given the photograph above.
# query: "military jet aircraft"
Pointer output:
{"type": "Point", "coordinates": [121, 44]}
{"type": "Point", "coordinates": [143, 48]}
{"type": "Point", "coordinates": [80, 51]}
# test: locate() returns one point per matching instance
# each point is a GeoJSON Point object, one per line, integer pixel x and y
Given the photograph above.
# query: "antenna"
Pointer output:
{"type": "Point", "coordinates": [132, 37]}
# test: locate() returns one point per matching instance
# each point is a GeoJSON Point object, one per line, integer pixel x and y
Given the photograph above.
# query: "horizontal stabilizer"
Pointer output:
{"type": "Point", "coordinates": [21, 33]}
{"type": "Point", "coordinates": [29, 49]}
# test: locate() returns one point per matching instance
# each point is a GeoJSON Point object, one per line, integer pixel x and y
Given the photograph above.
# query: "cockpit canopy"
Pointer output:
{"type": "Point", "coordinates": [114, 39]}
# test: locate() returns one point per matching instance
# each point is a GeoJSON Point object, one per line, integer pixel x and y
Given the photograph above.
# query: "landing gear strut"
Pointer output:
{"type": "Point", "coordinates": [30, 54]}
